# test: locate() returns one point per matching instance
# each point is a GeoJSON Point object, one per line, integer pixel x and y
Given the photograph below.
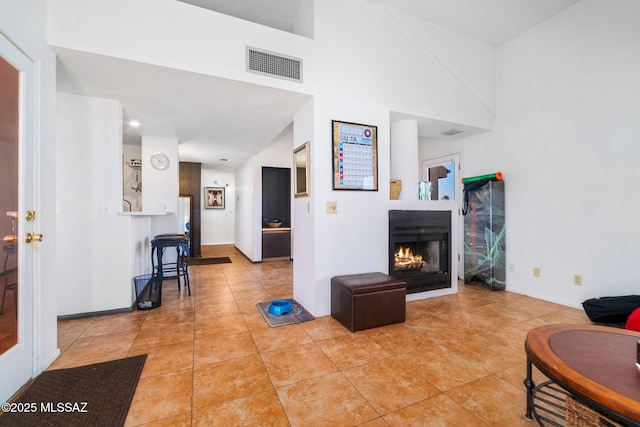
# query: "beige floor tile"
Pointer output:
{"type": "Point", "coordinates": [255, 321]}
{"type": "Point", "coordinates": [437, 411]}
{"type": "Point", "coordinates": [163, 319]}
{"type": "Point", "coordinates": [160, 397]}
{"type": "Point", "coordinates": [378, 422]}
{"type": "Point", "coordinates": [324, 327]}
{"type": "Point", "coordinates": [279, 337]}
{"type": "Point", "coordinates": [249, 307]}
{"type": "Point", "coordinates": [215, 348]}
{"type": "Point", "coordinates": [89, 350]}
{"type": "Point", "coordinates": [443, 368]}
{"type": "Point", "coordinates": [253, 296]}
{"type": "Point", "coordinates": [294, 364]}
{"type": "Point", "coordinates": [569, 315]}
{"type": "Point", "coordinates": [214, 295]}
{"type": "Point", "coordinates": [156, 337]}
{"type": "Point", "coordinates": [223, 325]}
{"type": "Point", "coordinates": [229, 380]}
{"type": "Point", "coordinates": [182, 420]}
{"type": "Point", "coordinates": [483, 353]}
{"type": "Point", "coordinates": [330, 400]}
{"type": "Point", "coordinates": [494, 401]}
{"type": "Point", "coordinates": [262, 409]}
{"type": "Point", "coordinates": [352, 350]}
{"type": "Point", "coordinates": [117, 323]}
{"type": "Point", "coordinates": [166, 358]}
{"type": "Point", "coordinates": [398, 339]}
{"type": "Point", "coordinates": [216, 310]}
{"type": "Point", "coordinates": [390, 384]}
{"type": "Point", "coordinates": [72, 329]}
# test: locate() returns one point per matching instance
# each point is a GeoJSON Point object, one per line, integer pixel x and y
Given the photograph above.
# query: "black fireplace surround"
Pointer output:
{"type": "Point", "coordinates": [419, 243]}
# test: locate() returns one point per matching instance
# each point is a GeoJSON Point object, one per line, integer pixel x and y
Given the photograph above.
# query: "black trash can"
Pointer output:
{"type": "Point", "coordinates": [148, 291]}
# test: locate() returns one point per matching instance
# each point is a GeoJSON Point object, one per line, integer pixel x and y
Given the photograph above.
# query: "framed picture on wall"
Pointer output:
{"type": "Point", "coordinates": [355, 156]}
{"type": "Point", "coordinates": [214, 197]}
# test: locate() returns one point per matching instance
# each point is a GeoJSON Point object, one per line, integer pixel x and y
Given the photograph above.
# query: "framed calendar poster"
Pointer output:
{"type": "Point", "coordinates": [355, 156]}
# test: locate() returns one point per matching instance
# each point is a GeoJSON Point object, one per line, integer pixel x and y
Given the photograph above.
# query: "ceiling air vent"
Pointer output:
{"type": "Point", "coordinates": [274, 64]}
{"type": "Point", "coordinates": [452, 132]}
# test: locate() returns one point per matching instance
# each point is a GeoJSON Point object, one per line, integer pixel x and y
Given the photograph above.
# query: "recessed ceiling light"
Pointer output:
{"type": "Point", "coordinates": [224, 160]}
{"type": "Point", "coordinates": [134, 124]}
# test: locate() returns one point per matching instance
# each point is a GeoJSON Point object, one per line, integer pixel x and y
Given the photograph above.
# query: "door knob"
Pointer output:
{"type": "Point", "coordinates": [10, 238]}
{"type": "Point", "coordinates": [30, 237]}
{"type": "Point", "coordinates": [30, 215]}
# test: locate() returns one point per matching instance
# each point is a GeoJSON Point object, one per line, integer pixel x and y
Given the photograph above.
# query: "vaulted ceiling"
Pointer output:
{"type": "Point", "coordinates": [223, 119]}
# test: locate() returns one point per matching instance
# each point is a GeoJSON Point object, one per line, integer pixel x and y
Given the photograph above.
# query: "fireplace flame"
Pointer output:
{"type": "Point", "coordinates": [405, 259]}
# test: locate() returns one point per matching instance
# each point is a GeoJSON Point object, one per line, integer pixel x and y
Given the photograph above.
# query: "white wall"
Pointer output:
{"type": "Point", "coordinates": [160, 187]}
{"type": "Point", "coordinates": [566, 141]}
{"type": "Point", "coordinates": [217, 226]}
{"type": "Point", "coordinates": [355, 240]}
{"type": "Point", "coordinates": [24, 22]}
{"type": "Point", "coordinates": [244, 226]}
{"type": "Point", "coordinates": [378, 57]}
{"type": "Point", "coordinates": [216, 42]}
{"type": "Point", "coordinates": [93, 258]}
{"type": "Point", "coordinates": [403, 64]}
{"type": "Point", "coordinates": [303, 232]}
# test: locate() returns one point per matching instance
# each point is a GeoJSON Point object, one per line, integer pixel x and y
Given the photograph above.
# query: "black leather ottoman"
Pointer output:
{"type": "Point", "coordinates": [368, 300]}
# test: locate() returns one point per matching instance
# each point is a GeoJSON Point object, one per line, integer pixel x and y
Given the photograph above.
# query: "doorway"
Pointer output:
{"type": "Point", "coordinates": [185, 217]}
{"type": "Point", "coordinates": [18, 220]}
{"type": "Point", "coordinates": [443, 176]}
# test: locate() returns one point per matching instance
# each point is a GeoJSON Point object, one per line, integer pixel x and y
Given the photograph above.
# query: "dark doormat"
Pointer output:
{"type": "Point", "coordinates": [207, 261]}
{"type": "Point", "coordinates": [92, 395]}
{"type": "Point", "coordinates": [298, 314]}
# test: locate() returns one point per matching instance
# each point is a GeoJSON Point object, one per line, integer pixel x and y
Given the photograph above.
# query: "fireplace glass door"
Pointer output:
{"type": "Point", "coordinates": [419, 253]}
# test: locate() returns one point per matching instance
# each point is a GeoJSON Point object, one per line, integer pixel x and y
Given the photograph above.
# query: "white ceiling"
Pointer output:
{"type": "Point", "coordinates": [491, 21]}
{"type": "Point", "coordinates": [214, 118]}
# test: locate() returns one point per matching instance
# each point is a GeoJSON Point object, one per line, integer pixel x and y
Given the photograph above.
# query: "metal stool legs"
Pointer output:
{"type": "Point", "coordinates": [180, 242]}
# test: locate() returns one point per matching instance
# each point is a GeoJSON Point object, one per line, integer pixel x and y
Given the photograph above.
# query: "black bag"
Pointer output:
{"type": "Point", "coordinates": [611, 309]}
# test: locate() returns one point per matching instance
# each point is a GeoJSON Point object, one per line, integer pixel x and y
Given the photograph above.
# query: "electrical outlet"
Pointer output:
{"type": "Point", "coordinates": [332, 207]}
{"type": "Point", "coordinates": [536, 271]}
{"type": "Point", "coordinates": [577, 279]}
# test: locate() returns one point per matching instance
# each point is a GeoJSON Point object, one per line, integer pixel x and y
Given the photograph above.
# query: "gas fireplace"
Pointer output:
{"type": "Point", "coordinates": [419, 253]}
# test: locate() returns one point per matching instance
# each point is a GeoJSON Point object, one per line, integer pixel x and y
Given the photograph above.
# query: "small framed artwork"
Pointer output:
{"type": "Point", "coordinates": [355, 156]}
{"type": "Point", "coordinates": [214, 197]}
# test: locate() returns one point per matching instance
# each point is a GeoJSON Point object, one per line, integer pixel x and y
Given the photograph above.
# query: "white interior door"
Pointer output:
{"type": "Point", "coordinates": [17, 159]}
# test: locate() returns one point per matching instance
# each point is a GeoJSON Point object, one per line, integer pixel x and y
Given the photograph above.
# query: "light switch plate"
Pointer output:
{"type": "Point", "coordinates": [332, 207]}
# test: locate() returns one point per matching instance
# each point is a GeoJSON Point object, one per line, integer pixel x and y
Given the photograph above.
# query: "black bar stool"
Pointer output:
{"type": "Point", "coordinates": [9, 248]}
{"type": "Point", "coordinates": [179, 241]}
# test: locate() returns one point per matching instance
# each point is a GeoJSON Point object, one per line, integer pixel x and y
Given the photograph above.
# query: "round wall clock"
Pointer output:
{"type": "Point", "coordinates": [159, 161]}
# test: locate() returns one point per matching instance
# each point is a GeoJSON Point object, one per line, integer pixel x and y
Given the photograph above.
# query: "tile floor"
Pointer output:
{"type": "Point", "coordinates": [212, 359]}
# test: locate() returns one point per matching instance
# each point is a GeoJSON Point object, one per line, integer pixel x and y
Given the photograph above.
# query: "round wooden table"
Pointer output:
{"type": "Point", "coordinates": [596, 364]}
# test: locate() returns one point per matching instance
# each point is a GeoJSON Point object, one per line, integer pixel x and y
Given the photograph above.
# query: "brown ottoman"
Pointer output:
{"type": "Point", "coordinates": [368, 300]}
